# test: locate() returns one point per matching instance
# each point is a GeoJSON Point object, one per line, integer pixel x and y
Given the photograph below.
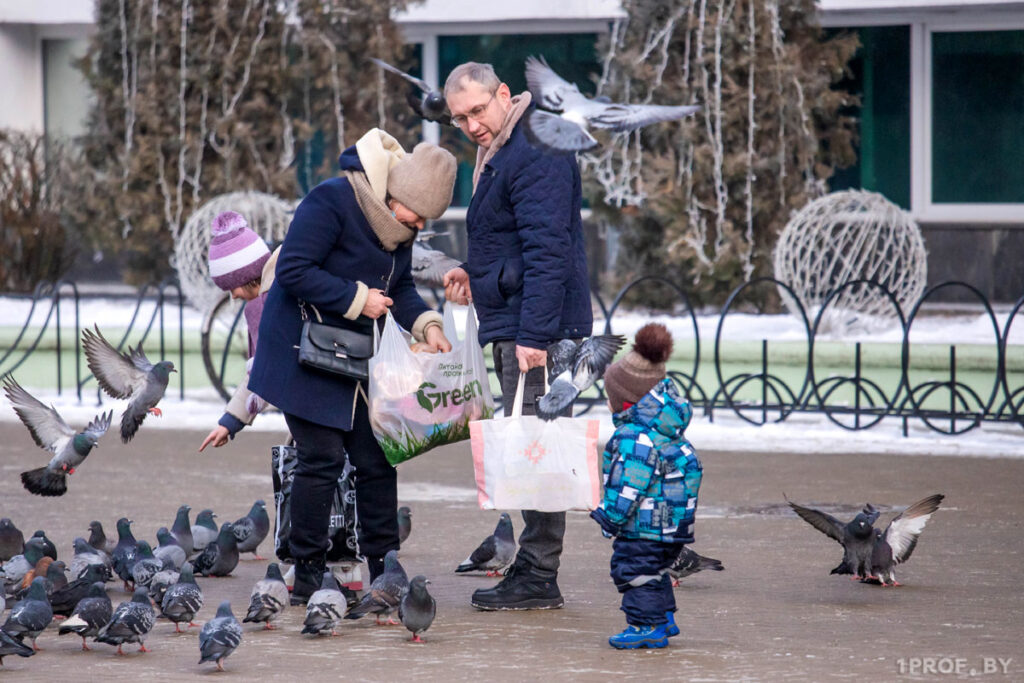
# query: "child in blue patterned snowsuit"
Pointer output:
{"type": "Point", "coordinates": [652, 477]}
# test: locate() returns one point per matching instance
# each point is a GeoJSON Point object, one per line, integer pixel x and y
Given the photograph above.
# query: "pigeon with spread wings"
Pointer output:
{"type": "Point", "coordinates": [428, 103]}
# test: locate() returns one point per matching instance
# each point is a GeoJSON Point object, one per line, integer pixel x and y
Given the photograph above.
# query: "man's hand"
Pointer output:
{"type": "Point", "coordinates": [456, 287]}
{"type": "Point", "coordinates": [530, 358]}
{"type": "Point", "coordinates": [435, 339]}
{"type": "Point", "coordinates": [377, 304]}
{"type": "Point", "coordinates": [218, 437]}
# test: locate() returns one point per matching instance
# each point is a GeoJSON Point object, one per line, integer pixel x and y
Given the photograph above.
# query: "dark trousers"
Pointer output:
{"type": "Point", "coordinates": [639, 572]}
{"type": "Point", "coordinates": [540, 543]}
{"type": "Point", "coordinates": [321, 459]}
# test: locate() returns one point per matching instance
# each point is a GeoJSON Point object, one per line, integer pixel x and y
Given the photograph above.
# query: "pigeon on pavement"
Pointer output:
{"type": "Point", "coordinates": [89, 615]}
{"type": "Point", "coordinates": [85, 555]}
{"type": "Point", "coordinates": [49, 549]}
{"type": "Point", "coordinates": [575, 369]}
{"type": "Point", "coordinates": [127, 375]}
{"type": "Point", "coordinates": [42, 565]}
{"type": "Point", "coordinates": [404, 524]}
{"type": "Point", "coordinates": [126, 552]}
{"type": "Point", "coordinates": [268, 599]}
{"type": "Point", "coordinates": [31, 615]}
{"type": "Point", "coordinates": [98, 538]}
{"type": "Point", "coordinates": [131, 622]}
{"type": "Point", "coordinates": [183, 599]}
{"type": "Point", "coordinates": [159, 584]}
{"type": "Point", "coordinates": [690, 562]}
{"type": "Point", "coordinates": [385, 592]}
{"type": "Point", "coordinates": [894, 545]}
{"type": "Point", "coordinates": [12, 646]}
{"type": "Point", "coordinates": [12, 540]}
{"type": "Point", "coordinates": [182, 530]}
{"type": "Point", "coordinates": [146, 565]}
{"type": "Point", "coordinates": [428, 103]}
{"type": "Point", "coordinates": [417, 608]}
{"type": "Point", "coordinates": [495, 552]}
{"type": "Point", "coordinates": [64, 600]}
{"type": "Point", "coordinates": [326, 607]}
{"type": "Point", "coordinates": [220, 557]}
{"type": "Point", "coordinates": [856, 536]}
{"type": "Point", "coordinates": [204, 531]}
{"type": "Point", "coordinates": [52, 433]}
{"type": "Point", "coordinates": [219, 636]}
{"type": "Point", "coordinates": [252, 529]}
{"type": "Point", "coordinates": [15, 569]}
{"type": "Point", "coordinates": [429, 265]}
{"type": "Point", "coordinates": [170, 554]}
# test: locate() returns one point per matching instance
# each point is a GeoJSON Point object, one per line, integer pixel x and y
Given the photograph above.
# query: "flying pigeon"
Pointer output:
{"type": "Point", "coordinates": [219, 636]}
{"type": "Point", "coordinates": [385, 592]}
{"type": "Point", "coordinates": [131, 622]}
{"type": "Point", "coordinates": [182, 530]}
{"type": "Point", "coordinates": [204, 531]}
{"type": "Point", "coordinates": [127, 375]}
{"type": "Point", "coordinates": [65, 599]}
{"type": "Point", "coordinates": [495, 552]}
{"type": "Point", "coordinates": [689, 562]}
{"type": "Point", "coordinates": [52, 433]}
{"type": "Point", "coordinates": [894, 545]}
{"type": "Point", "coordinates": [85, 556]}
{"type": "Point", "coordinates": [326, 607]}
{"type": "Point", "coordinates": [12, 541]}
{"type": "Point", "coordinates": [126, 552]}
{"type": "Point", "coordinates": [98, 539]}
{"type": "Point", "coordinates": [170, 554]}
{"type": "Point", "coordinates": [252, 529]}
{"type": "Point", "coordinates": [220, 557]}
{"type": "Point", "coordinates": [417, 608]}
{"type": "Point", "coordinates": [575, 369]}
{"type": "Point", "coordinates": [404, 524]}
{"type": "Point", "coordinates": [565, 130]}
{"type": "Point", "coordinates": [183, 599]}
{"type": "Point", "coordinates": [30, 616]}
{"type": "Point", "coordinates": [146, 565]}
{"type": "Point", "coordinates": [159, 584]}
{"type": "Point", "coordinates": [12, 646]}
{"type": "Point", "coordinates": [89, 616]}
{"type": "Point", "coordinates": [15, 569]}
{"type": "Point", "coordinates": [429, 265]}
{"type": "Point", "coordinates": [268, 599]}
{"type": "Point", "coordinates": [429, 103]}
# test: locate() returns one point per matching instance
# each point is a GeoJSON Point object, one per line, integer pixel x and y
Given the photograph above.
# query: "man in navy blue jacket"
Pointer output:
{"type": "Point", "coordinates": [526, 274]}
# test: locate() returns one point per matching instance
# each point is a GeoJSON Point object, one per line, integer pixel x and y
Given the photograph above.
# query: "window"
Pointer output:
{"type": "Point", "coordinates": [67, 96]}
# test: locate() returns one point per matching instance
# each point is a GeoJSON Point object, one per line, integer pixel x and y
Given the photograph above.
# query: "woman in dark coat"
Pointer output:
{"type": "Point", "coordinates": [347, 253]}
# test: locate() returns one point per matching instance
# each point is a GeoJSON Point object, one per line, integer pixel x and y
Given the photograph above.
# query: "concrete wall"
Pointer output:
{"type": "Point", "coordinates": [989, 257]}
{"type": "Point", "coordinates": [21, 78]}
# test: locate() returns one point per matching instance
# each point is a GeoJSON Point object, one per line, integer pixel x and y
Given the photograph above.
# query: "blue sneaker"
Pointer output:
{"type": "Point", "coordinates": [670, 628]}
{"type": "Point", "coordinates": [639, 636]}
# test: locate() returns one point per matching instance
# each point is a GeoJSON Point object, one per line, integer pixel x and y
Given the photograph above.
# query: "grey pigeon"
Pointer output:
{"type": "Point", "coordinates": [894, 545]}
{"type": "Point", "coordinates": [127, 375]}
{"type": "Point", "coordinates": [89, 616]}
{"type": "Point", "coordinates": [495, 552]}
{"type": "Point", "coordinates": [131, 622]}
{"type": "Point", "coordinates": [204, 531]}
{"type": "Point", "coordinates": [86, 555]}
{"type": "Point", "coordinates": [12, 541]}
{"type": "Point", "coordinates": [31, 615]}
{"type": "Point", "coordinates": [252, 529]}
{"type": "Point", "coordinates": [219, 636]}
{"type": "Point", "coordinates": [566, 130]}
{"type": "Point", "coordinates": [429, 265]}
{"type": "Point", "coordinates": [52, 433]}
{"type": "Point", "coordinates": [159, 584]}
{"type": "Point", "coordinates": [326, 607]}
{"type": "Point", "coordinates": [689, 562]}
{"type": "Point", "coordinates": [169, 552]}
{"type": "Point", "coordinates": [428, 103]}
{"type": "Point", "coordinates": [404, 524]}
{"type": "Point", "coordinates": [856, 536]}
{"type": "Point", "coordinates": [417, 608]}
{"type": "Point", "coordinates": [575, 369]}
{"type": "Point", "coordinates": [268, 599]}
{"type": "Point", "coordinates": [220, 557]}
{"type": "Point", "coordinates": [385, 592]}
{"type": "Point", "coordinates": [63, 600]}
{"type": "Point", "coordinates": [15, 569]}
{"type": "Point", "coordinates": [49, 549]}
{"type": "Point", "coordinates": [12, 646]}
{"type": "Point", "coordinates": [98, 538]}
{"type": "Point", "coordinates": [182, 530]}
{"type": "Point", "coordinates": [146, 565]}
{"type": "Point", "coordinates": [126, 552]}
{"type": "Point", "coordinates": [183, 599]}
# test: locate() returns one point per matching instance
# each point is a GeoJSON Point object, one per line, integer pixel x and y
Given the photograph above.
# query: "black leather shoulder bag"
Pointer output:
{"type": "Point", "coordinates": [335, 350]}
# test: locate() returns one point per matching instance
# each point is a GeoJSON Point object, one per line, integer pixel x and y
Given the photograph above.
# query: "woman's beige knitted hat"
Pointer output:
{"type": "Point", "coordinates": [423, 181]}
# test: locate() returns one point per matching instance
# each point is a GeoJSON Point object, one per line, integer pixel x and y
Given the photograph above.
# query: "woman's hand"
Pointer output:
{"type": "Point", "coordinates": [436, 340]}
{"type": "Point", "coordinates": [218, 437]}
{"type": "Point", "coordinates": [377, 304]}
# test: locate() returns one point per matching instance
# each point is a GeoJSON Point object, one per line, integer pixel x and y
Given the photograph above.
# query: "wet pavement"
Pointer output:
{"type": "Point", "coordinates": [774, 614]}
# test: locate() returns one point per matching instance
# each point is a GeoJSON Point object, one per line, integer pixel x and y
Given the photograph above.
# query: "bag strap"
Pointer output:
{"type": "Point", "coordinates": [305, 316]}
{"type": "Point", "coordinates": [517, 402]}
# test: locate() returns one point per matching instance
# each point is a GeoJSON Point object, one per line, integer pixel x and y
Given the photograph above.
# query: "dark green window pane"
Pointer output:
{"type": "Point", "coordinates": [880, 76]}
{"type": "Point", "coordinates": [572, 55]}
{"type": "Point", "coordinates": [978, 117]}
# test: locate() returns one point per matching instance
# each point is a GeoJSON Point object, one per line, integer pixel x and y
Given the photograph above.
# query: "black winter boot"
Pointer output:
{"type": "Point", "coordinates": [308, 576]}
{"type": "Point", "coordinates": [375, 565]}
{"type": "Point", "coordinates": [524, 587]}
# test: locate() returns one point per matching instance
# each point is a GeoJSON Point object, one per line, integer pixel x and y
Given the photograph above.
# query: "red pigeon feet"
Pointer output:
{"type": "Point", "coordinates": [269, 627]}
{"type": "Point", "coordinates": [416, 639]}
{"type": "Point", "coordinates": [142, 648]}
{"type": "Point", "coordinates": [156, 411]}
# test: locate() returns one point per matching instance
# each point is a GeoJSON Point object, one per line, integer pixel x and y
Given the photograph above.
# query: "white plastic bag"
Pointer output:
{"type": "Point", "coordinates": [422, 400]}
{"type": "Point", "coordinates": [527, 463]}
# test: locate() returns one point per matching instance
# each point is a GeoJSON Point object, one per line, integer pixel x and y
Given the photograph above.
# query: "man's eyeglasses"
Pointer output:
{"type": "Point", "coordinates": [475, 113]}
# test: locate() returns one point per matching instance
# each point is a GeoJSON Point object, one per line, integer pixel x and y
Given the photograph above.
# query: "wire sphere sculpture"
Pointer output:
{"type": "Point", "coordinates": [267, 215]}
{"type": "Point", "coordinates": [847, 236]}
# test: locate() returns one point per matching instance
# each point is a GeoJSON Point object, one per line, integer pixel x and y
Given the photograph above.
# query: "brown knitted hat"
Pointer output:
{"type": "Point", "coordinates": [424, 180]}
{"type": "Point", "coordinates": [627, 380]}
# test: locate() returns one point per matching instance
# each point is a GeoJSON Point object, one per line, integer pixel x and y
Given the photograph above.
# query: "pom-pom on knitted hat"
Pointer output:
{"type": "Point", "coordinates": [237, 254]}
{"type": "Point", "coordinates": [424, 180]}
{"type": "Point", "coordinates": [627, 380]}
